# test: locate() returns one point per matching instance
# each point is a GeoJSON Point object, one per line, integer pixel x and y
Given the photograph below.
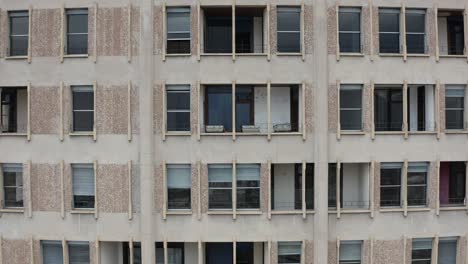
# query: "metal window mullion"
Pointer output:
{"type": "Point", "coordinates": [338, 114]}
{"type": "Point", "coordinates": [338, 189]}
{"type": "Point", "coordinates": [234, 189]}
{"type": "Point", "coordinates": [303, 175]}
{"type": "Point", "coordinates": [164, 28]}
{"type": "Point", "coordinates": [405, 188]}
{"type": "Point", "coordinates": [164, 178]}
{"type": "Point", "coordinates": [164, 116]}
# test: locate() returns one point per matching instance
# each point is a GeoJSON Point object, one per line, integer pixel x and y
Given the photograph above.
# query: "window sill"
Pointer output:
{"type": "Point", "coordinates": [249, 212]}
{"type": "Point", "coordinates": [216, 134]}
{"type": "Point", "coordinates": [286, 133]}
{"type": "Point", "coordinates": [389, 132]}
{"type": "Point", "coordinates": [220, 212]}
{"type": "Point", "coordinates": [352, 132]}
{"type": "Point", "coordinates": [390, 210]}
{"type": "Point", "coordinates": [352, 54]}
{"type": "Point", "coordinates": [289, 212]}
{"type": "Point", "coordinates": [288, 54]}
{"type": "Point", "coordinates": [179, 55]}
{"type": "Point", "coordinates": [86, 134]}
{"type": "Point", "coordinates": [76, 56]}
{"type": "Point", "coordinates": [178, 133]}
{"type": "Point", "coordinates": [18, 210]}
{"type": "Point", "coordinates": [215, 54]}
{"type": "Point", "coordinates": [179, 212]}
{"type": "Point", "coordinates": [390, 54]}
{"type": "Point", "coordinates": [251, 54]}
{"type": "Point", "coordinates": [453, 208]}
{"type": "Point", "coordinates": [83, 211]}
{"type": "Point", "coordinates": [418, 55]}
{"type": "Point", "coordinates": [456, 131]}
{"type": "Point", "coordinates": [13, 134]}
{"type": "Point", "coordinates": [453, 56]}
{"type": "Point", "coordinates": [419, 209]}
{"type": "Point", "coordinates": [16, 57]}
{"type": "Point", "coordinates": [251, 134]}
{"type": "Point", "coordinates": [422, 132]}
{"type": "Point", "coordinates": [351, 211]}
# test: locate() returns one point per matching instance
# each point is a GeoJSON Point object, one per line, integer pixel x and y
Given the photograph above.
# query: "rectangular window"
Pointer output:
{"type": "Point", "coordinates": [286, 186]}
{"type": "Point", "coordinates": [350, 252]}
{"type": "Point", "coordinates": [52, 252]}
{"type": "Point", "coordinates": [455, 107]}
{"type": "Point", "coordinates": [452, 183]}
{"type": "Point", "coordinates": [178, 108]}
{"type": "Point", "coordinates": [220, 186]}
{"type": "Point", "coordinates": [351, 107]}
{"type": "Point", "coordinates": [388, 108]}
{"type": "Point", "coordinates": [421, 105]}
{"type": "Point", "coordinates": [175, 253]}
{"type": "Point", "coordinates": [136, 253]}
{"type": "Point", "coordinates": [447, 250]}
{"type": "Point", "coordinates": [83, 108]}
{"type": "Point", "coordinates": [289, 252]}
{"type": "Point", "coordinates": [451, 32]}
{"type": "Point", "coordinates": [19, 33]}
{"type": "Point", "coordinates": [78, 253]}
{"type": "Point", "coordinates": [12, 185]}
{"type": "Point", "coordinates": [417, 183]}
{"type": "Point", "coordinates": [178, 30]}
{"type": "Point", "coordinates": [245, 106]}
{"type": "Point", "coordinates": [416, 31]}
{"type": "Point", "coordinates": [350, 29]}
{"type": "Point", "coordinates": [14, 110]}
{"type": "Point", "coordinates": [389, 30]}
{"type": "Point", "coordinates": [83, 186]}
{"type": "Point", "coordinates": [390, 184]}
{"type": "Point", "coordinates": [289, 29]}
{"type": "Point", "coordinates": [216, 253]}
{"type": "Point", "coordinates": [218, 108]}
{"type": "Point", "coordinates": [179, 183]}
{"type": "Point", "coordinates": [218, 30]}
{"type": "Point", "coordinates": [422, 251]}
{"type": "Point", "coordinates": [77, 31]}
{"type": "Point", "coordinates": [249, 29]}
{"type": "Point", "coordinates": [248, 186]}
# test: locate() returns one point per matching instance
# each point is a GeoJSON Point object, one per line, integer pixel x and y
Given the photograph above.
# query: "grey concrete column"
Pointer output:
{"type": "Point", "coordinates": [320, 75]}
{"type": "Point", "coordinates": [146, 86]}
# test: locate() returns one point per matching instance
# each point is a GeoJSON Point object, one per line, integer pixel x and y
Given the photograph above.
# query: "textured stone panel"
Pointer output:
{"type": "Point", "coordinates": [366, 257]}
{"type": "Point", "coordinates": [26, 187]}
{"type": "Point", "coordinates": [332, 254]}
{"type": "Point", "coordinates": [136, 188]}
{"type": "Point", "coordinates": [194, 108]}
{"type": "Point", "coordinates": [388, 252]}
{"type": "Point", "coordinates": [367, 108]}
{"type": "Point", "coordinates": [408, 249]}
{"type": "Point", "coordinates": [92, 253]}
{"type": "Point", "coordinates": [309, 110]}
{"type": "Point", "coordinates": [273, 32]}
{"type": "Point", "coordinates": [204, 187]}
{"type": "Point", "coordinates": [442, 107]}
{"type": "Point", "coordinates": [194, 28]}
{"type": "Point", "coordinates": [366, 39]}
{"type": "Point", "coordinates": [45, 32]}
{"type": "Point", "coordinates": [274, 253]}
{"type": "Point", "coordinates": [37, 251]}
{"type": "Point", "coordinates": [45, 110]}
{"type": "Point", "coordinates": [308, 29]}
{"type": "Point", "coordinates": [135, 30]}
{"type": "Point", "coordinates": [67, 186]}
{"type": "Point", "coordinates": [309, 252]}
{"type": "Point", "coordinates": [111, 109]}
{"type": "Point", "coordinates": [461, 249]}
{"type": "Point", "coordinates": [377, 185]}
{"type": "Point", "coordinates": [135, 109]}
{"type": "Point", "coordinates": [431, 41]}
{"type": "Point", "coordinates": [432, 187]}
{"type": "Point", "coordinates": [264, 187]}
{"type": "Point", "coordinates": [16, 251]}
{"type": "Point", "coordinates": [112, 31]}
{"type": "Point", "coordinates": [91, 34]}
{"type": "Point", "coordinates": [159, 187]}
{"type": "Point", "coordinates": [67, 109]}
{"type": "Point", "coordinates": [46, 191]}
{"type": "Point", "coordinates": [3, 32]}
{"type": "Point", "coordinates": [332, 108]}
{"type": "Point", "coordinates": [158, 30]}
{"type": "Point", "coordinates": [332, 30]}
{"type": "Point", "coordinates": [375, 29]}
{"type": "Point", "coordinates": [158, 108]}
{"type": "Point", "coordinates": [194, 189]}
{"type": "Point", "coordinates": [112, 188]}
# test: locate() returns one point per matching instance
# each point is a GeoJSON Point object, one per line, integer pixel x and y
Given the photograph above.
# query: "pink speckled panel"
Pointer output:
{"type": "Point", "coordinates": [112, 31]}
{"type": "Point", "coordinates": [27, 187]}
{"type": "Point", "coordinates": [377, 185]}
{"type": "Point", "coordinates": [46, 32]}
{"type": "Point", "coordinates": [432, 185]}
{"type": "Point", "coordinates": [375, 29]}
{"type": "Point", "coordinates": [111, 109]}
{"type": "Point", "coordinates": [135, 27]}
{"type": "Point", "coordinates": [158, 108]}
{"type": "Point", "coordinates": [274, 253]}
{"type": "Point", "coordinates": [67, 186]}
{"type": "Point", "coordinates": [112, 188]}
{"type": "Point", "coordinates": [194, 189]}
{"type": "Point", "coordinates": [366, 39]}
{"type": "Point", "coordinates": [37, 252]}
{"type": "Point", "coordinates": [442, 107]}
{"type": "Point", "coordinates": [16, 251]}
{"type": "Point", "coordinates": [431, 30]}
{"type": "Point", "coordinates": [367, 108]}
{"type": "Point", "coordinates": [332, 108]}
{"type": "Point", "coordinates": [308, 29]}
{"type": "Point", "coordinates": [332, 30]}
{"type": "Point", "coordinates": [3, 32]}
{"type": "Point", "coordinates": [408, 249]}
{"type": "Point", "coordinates": [366, 257]}
{"type": "Point", "coordinates": [159, 187]}
{"type": "Point", "coordinates": [136, 188]}
{"type": "Point", "coordinates": [46, 191]}
{"type": "Point", "coordinates": [332, 254]}
{"type": "Point", "coordinates": [309, 252]}
{"type": "Point", "coordinates": [264, 187]}
{"type": "Point", "coordinates": [135, 110]}
{"type": "Point", "coordinates": [92, 252]}
{"type": "Point", "coordinates": [309, 110]}
{"type": "Point", "coordinates": [194, 108]}
{"type": "Point", "coordinates": [45, 110]}
{"type": "Point", "coordinates": [194, 28]}
{"type": "Point", "coordinates": [273, 19]}
{"type": "Point", "coordinates": [461, 249]}
{"type": "Point", "coordinates": [91, 34]}
{"type": "Point", "coordinates": [204, 187]}
{"type": "Point", "coordinates": [388, 252]}
{"type": "Point", "coordinates": [67, 109]}
{"type": "Point", "coordinates": [158, 30]}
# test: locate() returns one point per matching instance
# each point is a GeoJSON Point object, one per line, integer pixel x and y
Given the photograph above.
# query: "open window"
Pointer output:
{"type": "Point", "coordinates": [178, 30]}
{"type": "Point", "coordinates": [76, 31]}
{"type": "Point", "coordinates": [19, 33]}
{"type": "Point", "coordinates": [389, 30]}
{"type": "Point", "coordinates": [286, 105]}
{"type": "Point", "coordinates": [350, 252]}
{"type": "Point", "coordinates": [353, 188]}
{"type": "Point", "coordinates": [350, 29]}
{"type": "Point", "coordinates": [388, 108]}
{"type": "Point", "coordinates": [287, 185]}
{"type": "Point", "coordinates": [451, 32]}
{"type": "Point", "coordinates": [217, 33]}
{"type": "Point", "coordinates": [421, 251]}
{"type": "Point", "coordinates": [455, 112]}
{"type": "Point", "coordinates": [421, 105]}
{"type": "Point", "coordinates": [175, 252]}
{"type": "Point", "coordinates": [127, 255]}
{"type": "Point", "coordinates": [179, 183]}
{"type": "Point", "coordinates": [12, 182]}
{"type": "Point", "coordinates": [83, 186]}
{"type": "Point", "coordinates": [14, 110]}
{"type": "Point", "coordinates": [416, 42]}
{"type": "Point", "coordinates": [251, 109]}
{"type": "Point", "coordinates": [217, 102]}
{"type": "Point", "coordinates": [452, 184]}
{"type": "Point", "coordinates": [289, 29]}
{"type": "Point", "coordinates": [118, 252]}
{"type": "Point", "coordinates": [250, 26]}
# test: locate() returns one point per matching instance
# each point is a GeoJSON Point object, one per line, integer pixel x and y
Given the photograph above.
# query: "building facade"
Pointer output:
{"type": "Point", "coordinates": [221, 131]}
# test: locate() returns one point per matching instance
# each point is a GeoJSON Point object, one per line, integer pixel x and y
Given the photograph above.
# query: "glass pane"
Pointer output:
{"type": "Point", "coordinates": [220, 199]}
{"type": "Point", "coordinates": [415, 22]}
{"type": "Point", "coordinates": [350, 42]}
{"type": "Point", "coordinates": [83, 100]}
{"type": "Point", "coordinates": [390, 177]}
{"type": "Point", "coordinates": [178, 100]}
{"type": "Point", "coordinates": [178, 46]}
{"type": "Point", "coordinates": [83, 121]}
{"type": "Point", "coordinates": [351, 119]}
{"type": "Point", "coordinates": [350, 98]}
{"type": "Point", "coordinates": [244, 253]}
{"type": "Point", "coordinates": [416, 43]}
{"type": "Point", "coordinates": [389, 43]}
{"type": "Point", "coordinates": [289, 19]}
{"type": "Point", "coordinates": [178, 198]}
{"type": "Point", "coordinates": [218, 35]}
{"type": "Point", "coordinates": [289, 42]}
{"type": "Point", "coordinates": [248, 198]}
{"type": "Point", "coordinates": [178, 21]}
{"type": "Point", "coordinates": [178, 36]}
{"type": "Point", "coordinates": [178, 121]}
{"type": "Point", "coordinates": [390, 196]}
{"type": "Point", "coordinates": [350, 21]}
{"type": "Point", "coordinates": [416, 178]}
{"type": "Point", "coordinates": [219, 107]}
{"type": "Point", "coordinates": [389, 21]}
{"type": "Point", "coordinates": [388, 109]}
{"type": "Point", "coordinates": [447, 251]}
{"type": "Point", "coordinates": [13, 197]}
{"type": "Point", "coordinates": [83, 201]}
{"type": "Point", "coordinates": [78, 253]}
{"type": "Point", "coordinates": [77, 23]}
{"type": "Point", "coordinates": [350, 251]}
{"type": "Point", "coordinates": [52, 252]}
{"type": "Point", "coordinates": [454, 102]}
{"type": "Point", "coordinates": [19, 25]}
{"type": "Point", "coordinates": [77, 44]}
{"type": "Point", "coordinates": [18, 46]}
{"type": "Point", "coordinates": [416, 195]}
{"type": "Point", "coordinates": [454, 119]}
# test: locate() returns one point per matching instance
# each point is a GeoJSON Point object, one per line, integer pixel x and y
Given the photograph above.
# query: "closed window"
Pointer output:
{"type": "Point", "coordinates": [289, 29]}
{"type": "Point", "coordinates": [351, 107]}
{"type": "Point", "coordinates": [422, 251]}
{"type": "Point", "coordinates": [83, 108]}
{"type": "Point", "coordinates": [83, 186]}
{"type": "Point", "coordinates": [390, 184]}
{"type": "Point", "coordinates": [175, 253]}
{"type": "Point", "coordinates": [416, 31]}
{"type": "Point", "coordinates": [178, 108]}
{"type": "Point", "coordinates": [77, 32]}
{"type": "Point", "coordinates": [447, 250]}
{"type": "Point", "coordinates": [455, 107]}
{"type": "Point", "coordinates": [248, 186]}
{"type": "Point", "coordinates": [388, 109]}
{"type": "Point", "coordinates": [417, 183]}
{"type": "Point", "coordinates": [12, 185]}
{"type": "Point", "coordinates": [350, 252]}
{"type": "Point", "coordinates": [178, 30]}
{"type": "Point", "coordinates": [289, 252]}
{"type": "Point", "coordinates": [78, 253]}
{"type": "Point", "coordinates": [350, 29]}
{"type": "Point", "coordinates": [52, 252]}
{"type": "Point", "coordinates": [389, 30]}
{"type": "Point", "coordinates": [179, 182]}
{"type": "Point", "coordinates": [220, 186]}
{"type": "Point", "coordinates": [19, 33]}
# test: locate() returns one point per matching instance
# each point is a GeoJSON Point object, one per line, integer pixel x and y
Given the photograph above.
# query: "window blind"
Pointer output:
{"type": "Point", "coordinates": [83, 180]}
{"type": "Point", "coordinates": [248, 172]}
{"type": "Point", "coordinates": [78, 253]}
{"type": "Point", "coordinates": [289, 248]}
{"type": "Point", "coordinates": [350, 250]}
{"type": "Point", "coordinates": [422, 243]}
{"type": "Point", "coordinates": [179, 176]}
{"type": "Point", "coordinates": [178, 23]}
{"type": "Point", "coordinates": [417, 167]}
{"type": "Point", "coordinates": [455, 91]}
{"type": "Point", "coordinates": [391, 165]}
{"type": "Point", "coordinates": [220, 173]}
{"type": "Point", "coordinates": [447, 250]}
{"type": "Point", "coordinates": [52, 252]}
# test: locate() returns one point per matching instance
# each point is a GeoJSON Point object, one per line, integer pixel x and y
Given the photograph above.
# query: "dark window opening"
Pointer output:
{"type": "Point", "coordinates": [12, 185]}
{"type": "Point", "coordinates": [416, 31]}
{"type": "Point", "coordinates": [218, 30]}
{"type": "Point", "coordinates": [83, 108]}
{"type": "Point", "coordinates": [421, 251]}
{"type": "Point", "coordinates": [421, 114]}
{"type": "Point", "coordinates": [216, 253]}
{"type": "Point", "coordinates": [350, 29]}
{"type": "Point", "coordinates": [451, 32]}
{"type": "Point", "coordinates": [417, 184]}
{"type": "Point", "coordinates": [248, 186]}
{"type": "Point", "coordinates": [178, 108]}
{"type": "Point", "coordinates": [218, 108]}
{"type": "Point", "coordinates": [178, 30]}
{"type": "Point", "coordinates": [136, 253]}
{"type": "Point", "coordinates": [77, 31]}
{"type": "Point", "coordinates": [249, 30]}
{"type": "Point", "coordinates": [19, 33]}
{"type": "Point", "coordinates": [286, 186]}
{"type": "Point", "coordinates": [332, 186]}
{"type": "Point", "coordinates": [175, 253]}
{"type": "Point", "coordinates": [455, 107]}
{"type": "Point", "coordinates": [452, 183]}
{"type": "Point", "coordinates": [179, 183]}
{"type": "Point", "coordinates": [351, 107]}
{"type": "Point", "coordinates": [289, 29]}
{"type": "Point", "coordinates": [388, 109]}
{"type": "Point", "coordinates": [245, 106]}
{"type": "Point", "coordinates": [390, 184]}
{"type": "Point", "coordinates": [220, 186]}
{"type": "Point", "coordinates": [389, 30]}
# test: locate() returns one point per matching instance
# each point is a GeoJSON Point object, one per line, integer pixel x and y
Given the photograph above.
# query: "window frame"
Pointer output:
{"type": "Point", "coordinates": [390, 89]}
{"type": "Point", "coordinates": [17, 13]}
{"type": "Point", "coordinates": [416, 11]}
{"type": "Point", "coordinates": [415, 261]}
{"type": "Point", "coordinates": [463, 108]}
{"type": "Point", "coordinates": [350, 9]}
{"type": "Point", "coordinates": [53, 243]}
{"type": "Point", "coordinates": [291, 243]}
{"type": "Point", "coordinates": [231, 188]}
{"type": "Point", "coordinates": [83, 89]}
{"type": "Point", "coordinates": [351, 242]}
{"type": "Point", "coordinates": [425, 185]}
{"type": "Point", "coordinates": [350, 87]}
{"type": "Point", "coordinates": [442, 240]}
{"type": "Point", "coordinates": [178, 89]}
{"type": "Point", "coordinates": [80, 11]}
{"type": "Point", "coordinates": [179, 166]}
{"type": "Point", "coordinates": [16, 168]}
{"type": "Point", "coordinates": [392, 165]}
{"type": "Point", "coordinates": [251, 165]}
{"type": "Point", "coordinates": [93, 169]}
{"type": "Point", "coordinates": [391, 10]}
{"type": "Point", "coordinates": [70, 245]}
{"type": "Point", "coordinates": [300, 31]}
{"type": "Point", "coordinates": [168, 11]}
